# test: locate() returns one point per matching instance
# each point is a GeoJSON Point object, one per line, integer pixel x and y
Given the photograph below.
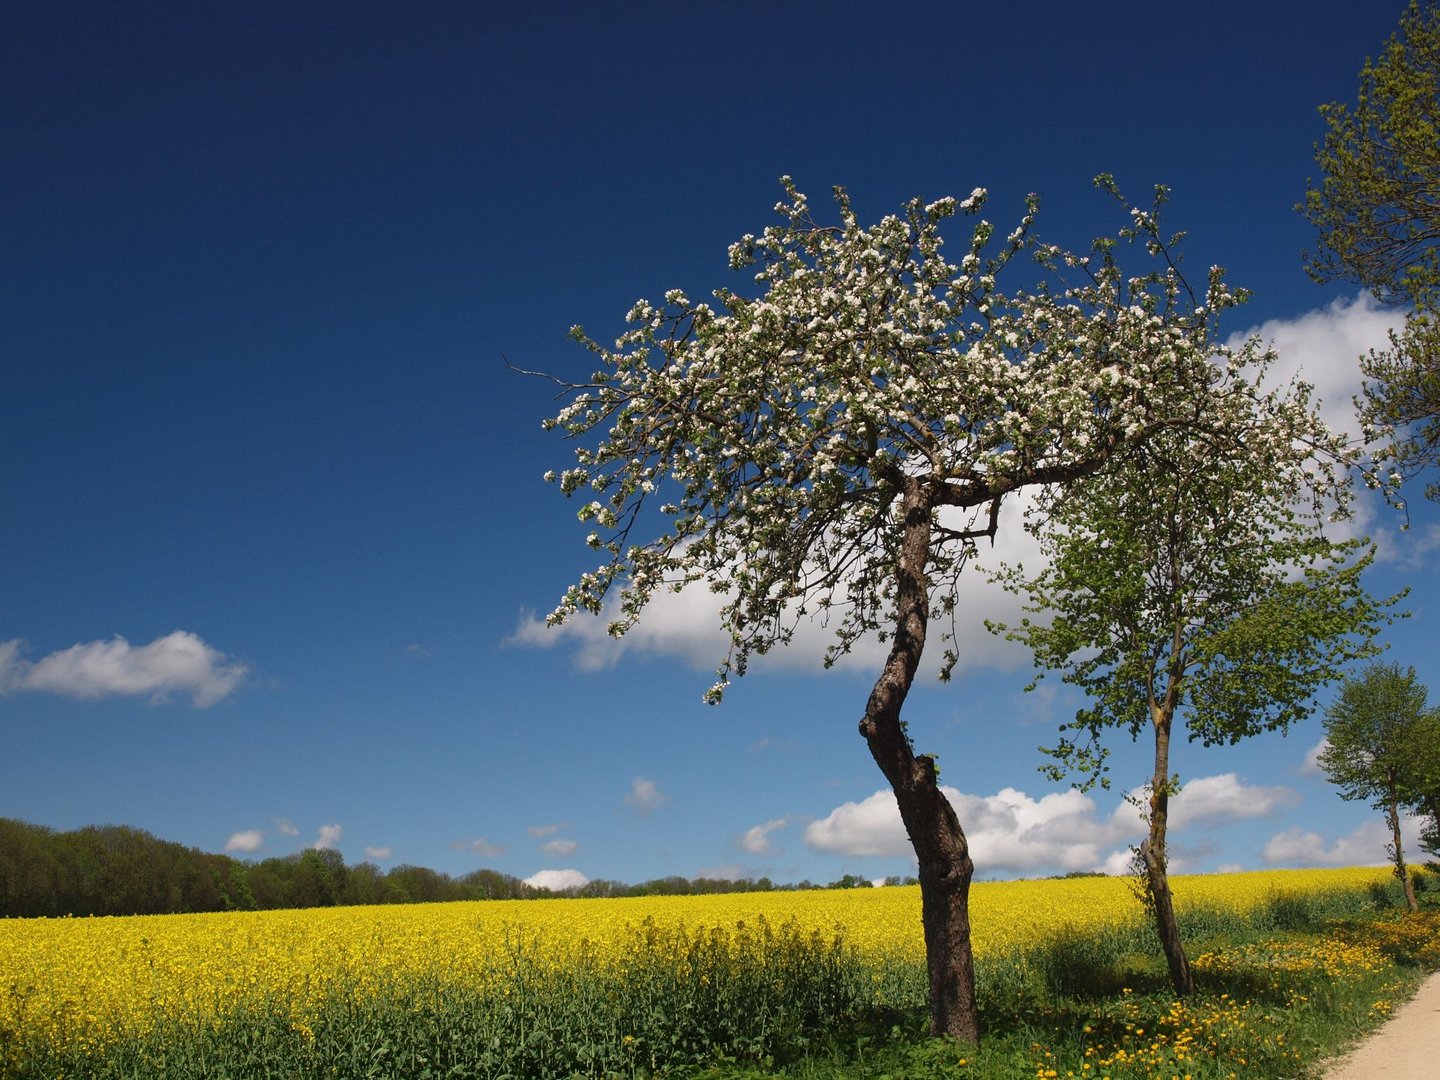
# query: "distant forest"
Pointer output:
{"type": "Point", "coordinates": [117, 870]}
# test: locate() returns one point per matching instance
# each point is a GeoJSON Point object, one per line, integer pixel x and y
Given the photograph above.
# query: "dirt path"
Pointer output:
{"type": "Point", "coordinates": [1406, 1048]}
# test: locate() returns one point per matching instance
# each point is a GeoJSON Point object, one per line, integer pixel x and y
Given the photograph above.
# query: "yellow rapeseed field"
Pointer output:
{"type": "Point", "coordinates": [83, 982]}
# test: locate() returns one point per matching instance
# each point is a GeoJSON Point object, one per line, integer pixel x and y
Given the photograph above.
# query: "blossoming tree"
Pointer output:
{"type": "Point", "coordinates": [833, 445]}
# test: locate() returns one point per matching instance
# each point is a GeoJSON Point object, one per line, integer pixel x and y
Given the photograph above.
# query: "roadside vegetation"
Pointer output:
{"type": "Point", "coordinates": [1289, 967]}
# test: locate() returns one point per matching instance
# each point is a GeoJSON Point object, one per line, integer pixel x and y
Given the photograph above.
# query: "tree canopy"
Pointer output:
{"type": "Point", "coordinates": [778, 435]}
{"type": "Point", "coordinates": [1377, 210]}
{"type": "Point", "coordinates": [1197, 582]}
{"type": "Point", "coordinates": [1380, 748]}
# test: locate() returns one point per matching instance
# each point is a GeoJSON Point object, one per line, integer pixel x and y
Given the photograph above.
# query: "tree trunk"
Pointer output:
{"type": "Point", "coordinates": [1397, 854]}
{"type": "Point", "coordinates": [1155, 860]}
{"type": "Point", "coordinates": [940, 846]}
{"type": "Point", "coordinates": [1162, 905]}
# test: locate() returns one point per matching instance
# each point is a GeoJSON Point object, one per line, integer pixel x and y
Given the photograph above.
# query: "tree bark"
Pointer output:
{"type": "Point", "coordinates": [943, 853]}
{"type": "Point", "coordinates": [1392, 815]}
{"type": "Point", "coordinates": [1155, 860]}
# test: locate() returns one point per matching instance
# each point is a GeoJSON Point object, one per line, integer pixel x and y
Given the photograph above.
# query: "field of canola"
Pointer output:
{"type": "Point", "coordinates": [84, 982]}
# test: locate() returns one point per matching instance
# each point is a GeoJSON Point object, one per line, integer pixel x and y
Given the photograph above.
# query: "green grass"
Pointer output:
{"type": "Point", "coordinates": [1087, 1004]}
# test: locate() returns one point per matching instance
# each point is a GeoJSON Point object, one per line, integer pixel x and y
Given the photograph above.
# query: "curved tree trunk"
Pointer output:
{"type": "Point", "coordinates": [945, 868]}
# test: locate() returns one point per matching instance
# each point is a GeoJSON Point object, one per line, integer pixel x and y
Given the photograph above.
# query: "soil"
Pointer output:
{"type": "Point", "coordinates": [1406, 1048]}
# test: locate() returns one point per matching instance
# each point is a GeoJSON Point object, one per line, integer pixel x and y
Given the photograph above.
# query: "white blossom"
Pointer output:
{"type": "Point", "coordinates": [784, 425]}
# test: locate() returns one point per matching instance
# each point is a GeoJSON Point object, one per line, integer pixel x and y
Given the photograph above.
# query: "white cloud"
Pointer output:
{"type": "Point", "coordinates": [485, 849]}
{"type": "Point", "coordinates": [1058, 832]}
{"type": "Point", "coordinates": [1412, 549]}
{"type": "Point", "coordinates": [1363, 846]}
{"type": "Point", "coordinates": [1223, 798]}
{"type": "Point", "coordinates": [645, 796]}
{"type": "Point", "coordinates": [1311, 765]}
{"type": "Point", "coordinates": [557, 880]}
{"type": "Point", "coordinates": [246, 840]}
{"type": "Point", "coordinates": [559, 848]}
{"type": "Point", "coordinates": [328, 838]}
{"type": "Point", "coordinates": [724, 872]}
{"type": "Point", "coordinates": [377, 852]}
{"type": "Point", "coordinates": [1324, 347]}
{"type": "Point", "coordinates": [286, 827]}
{"type": "Point", "coordinates": [537, 831]}
{"type": "Point", "coordinates": [869, 827]}
{"type": "Point", "coordinates": [178, 663]}
{"type": "Point", "coordinates": [1119, 863]}
{"type": "Point", "coordinates": [1213, 801]}
{"type": "Point", "coordinates": [1007, 831]}
{"type": "Point", "coordinates": [757, 838]}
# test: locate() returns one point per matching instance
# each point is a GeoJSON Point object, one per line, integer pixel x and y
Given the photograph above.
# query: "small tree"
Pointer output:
{"type": "Point", "coordinates": [1190, 589]}
{"type": "Point", "coordinates": [833, 447]}
{"type": "Point", "coordinates": [1379, 733]}
{"type": "Point", "coordinates": [1378, 212]}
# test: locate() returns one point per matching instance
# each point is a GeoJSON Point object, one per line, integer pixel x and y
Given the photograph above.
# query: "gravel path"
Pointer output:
{"type": "Point", "coordinates": [1406, 1048]}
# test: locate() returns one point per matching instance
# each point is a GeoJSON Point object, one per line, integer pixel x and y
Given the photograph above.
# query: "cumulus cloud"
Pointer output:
{"type": "Point", "coordinates": [484, 848]}
{"type": "Point", "coordinates": [869, 827]}
{"type": "Point", "coordinates": [247, 840]}
{"type": "Point", "coordinates": [328, 838]}
{"type": "Point", "coordinates": [1364, 845]}
{"type": "Point", "coordinates": [757, 838]}
{"type": "Point", "coordinates": [1227, 798]}
{"type": "Point", "coordinates": [557, 880]}
{"type": "Point", "coordinates": [559, 848]}
{"type": "Point", "coordinates": [1007, 831]}
{"type": "Point", "coordinates": [645, 796]}
{"type": "Point", "coordinates": [1311, 765]}
{"type": "Point", "coordinates": [724, 872]}
{"type": "Point", "coordinates": [377, 853]}
{"type": "Point", "coordinates": [178, 663]}
{"type": "Point", "coordinates": [286, 827]}
{"type": "Point", "coordinates": [537, 831]}
{"type": "Point", "coordinates": [1300, 847]}
{"type": "Point", "coordinates": [1061, 831]}
{"type": "Point", "coordinates": [1324, 347]}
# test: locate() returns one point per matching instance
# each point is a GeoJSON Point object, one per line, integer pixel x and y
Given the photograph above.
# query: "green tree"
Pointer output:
{"type": "Point", "coordinates": [1426, 801]}
{"type": "Point", "coordinates": [1377, 210]}
{"type": "Point", "coordinates": [1380, 740]}
{"type": "Point", "coordinates": [1190, 589]}
{"type": "Point", "coordinates": [833, 447]}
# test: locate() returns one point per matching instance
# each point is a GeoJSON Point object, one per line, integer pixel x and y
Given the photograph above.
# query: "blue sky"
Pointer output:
{"type": "Point", "coordinates": [274, 530]}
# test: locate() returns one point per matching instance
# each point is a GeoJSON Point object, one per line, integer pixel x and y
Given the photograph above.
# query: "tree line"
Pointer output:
{"type": "Point", "coordinates": [119, 870]}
